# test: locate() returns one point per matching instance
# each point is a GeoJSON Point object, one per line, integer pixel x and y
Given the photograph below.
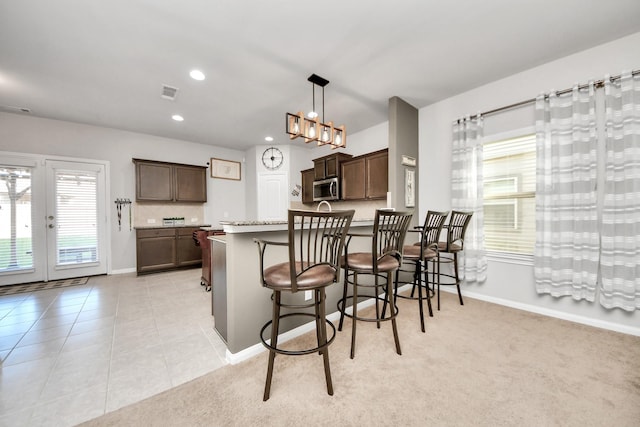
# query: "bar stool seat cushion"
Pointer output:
{"type": "Point", "coordinates": [453, 247]}
{"type": "Point", "coordinates": [413, 253]}
{"type": "Point", "coordinates": [363, 261]}
{"type": "Point", "coordinates": [278, 277]}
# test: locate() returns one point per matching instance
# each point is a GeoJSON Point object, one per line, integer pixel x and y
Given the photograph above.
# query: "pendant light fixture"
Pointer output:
{"type": "Point", "coordinates": [310, 127]}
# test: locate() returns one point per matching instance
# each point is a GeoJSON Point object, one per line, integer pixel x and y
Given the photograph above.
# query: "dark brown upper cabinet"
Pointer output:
{"type": "Point", "coordinates": [170, 182]}
{"type": "Point", "coordinates": [366, 177]}
{"type": "Point", "coordinates": [307, 185]}
{"type": "Point", "coordinates": [329, 166]}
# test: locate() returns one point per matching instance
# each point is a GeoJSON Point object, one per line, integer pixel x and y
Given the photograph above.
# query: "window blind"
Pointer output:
{"type": "Point", "coordinates": [76, 217]}
{"type": "Point", "coordinates": [509, 183]}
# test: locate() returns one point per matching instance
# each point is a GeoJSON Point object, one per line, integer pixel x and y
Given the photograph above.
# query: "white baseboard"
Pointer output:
{"type": "Point", "coordinates": [124, 271]}
{"type": "Point", "coordinates": [602, 324]}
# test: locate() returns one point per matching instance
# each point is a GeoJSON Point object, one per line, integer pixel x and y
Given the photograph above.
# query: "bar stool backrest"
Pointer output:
{"type": "Point", "coordinates": [432, 228]}
{"type": "Point", "coordinates": [389, 231]}
{"type": "Point", "coordinates": [316, 238]}
{"type": "Point", "coordinates": [457, 228]}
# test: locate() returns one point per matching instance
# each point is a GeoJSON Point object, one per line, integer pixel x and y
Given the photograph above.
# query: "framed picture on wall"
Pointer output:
{"type": "Point", "coordinates": [409, 188]}
{"type": "Point", "coordinates": [225, 169]}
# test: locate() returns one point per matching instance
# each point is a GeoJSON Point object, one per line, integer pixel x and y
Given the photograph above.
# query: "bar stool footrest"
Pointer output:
{"type": "Point", "coordinates": [297, 352]}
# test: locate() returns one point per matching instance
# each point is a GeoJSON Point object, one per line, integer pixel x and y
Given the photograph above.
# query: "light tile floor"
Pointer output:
{"type": "Point", "coordinates": [72, 354]}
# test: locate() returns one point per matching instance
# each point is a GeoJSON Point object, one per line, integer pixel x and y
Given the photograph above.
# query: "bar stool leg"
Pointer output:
{"type": "Point", "coordinates": [344, 298]}
{"type": "Point", "coordinates": [426, 282]}
{"type": "Point", "coordinates": [392, 310]}
{"type": "Point", "coordinates": [377, 292]}
{"type": "Point", "coordinates": [354, 306]}
{"type": "Point", "coordinates": [322, 337]}
{"type": "Point", "coordinates": [274, 343]}
{"type": "Point", "coordinates": [455, 267]}
{"type": "Point", "coordinates": [417, 277]}
{"type": "Point", "coordinates": [438, 283]}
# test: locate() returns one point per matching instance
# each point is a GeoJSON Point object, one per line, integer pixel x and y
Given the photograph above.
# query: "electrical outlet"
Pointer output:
{"type": "Point", "coordinates": [194, 219]}
{"type": "Point", "coordinates": [151, 221]}
{"type": "Point", "coordinates": [308, 295]}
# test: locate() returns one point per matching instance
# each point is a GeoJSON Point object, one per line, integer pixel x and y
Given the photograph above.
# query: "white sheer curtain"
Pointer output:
{"type": "Point", "coordinates": [567, 241]}
{"type": "Point", "coordinates": [620, 262]}
{"type": "Point", "coordinates": [466, 195]}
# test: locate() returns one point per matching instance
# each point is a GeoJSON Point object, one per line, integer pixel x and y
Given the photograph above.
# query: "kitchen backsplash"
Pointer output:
{"type": "Point", "coordinates": [147, 214]}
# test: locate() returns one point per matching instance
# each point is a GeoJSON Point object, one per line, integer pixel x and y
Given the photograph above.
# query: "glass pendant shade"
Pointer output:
{"type": "Point", "coordinates": [295, 123]}
{"type": "Point", "coordinates": [311, 129]}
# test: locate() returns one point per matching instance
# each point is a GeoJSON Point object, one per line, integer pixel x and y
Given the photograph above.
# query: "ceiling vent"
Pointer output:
{"type": "Point", "coordinates": [169, 92]}
{"type": "Point", "coordinates": [13, 109]}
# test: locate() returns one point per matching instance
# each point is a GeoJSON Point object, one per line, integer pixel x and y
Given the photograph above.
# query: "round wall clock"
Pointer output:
{"type": "Point", "coordinates": [272, 158]}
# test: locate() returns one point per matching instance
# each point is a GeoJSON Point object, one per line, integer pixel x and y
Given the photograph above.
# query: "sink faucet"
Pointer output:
{"type": "Point", "coordinates": [323, 202]}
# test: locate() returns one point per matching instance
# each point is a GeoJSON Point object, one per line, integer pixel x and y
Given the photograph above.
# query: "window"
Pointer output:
{"type": "Point", "coordinates": [509, 169]}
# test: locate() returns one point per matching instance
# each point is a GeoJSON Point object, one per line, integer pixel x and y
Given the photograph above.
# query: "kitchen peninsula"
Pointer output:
{"type": "Point", "coordinates": [241, 306]}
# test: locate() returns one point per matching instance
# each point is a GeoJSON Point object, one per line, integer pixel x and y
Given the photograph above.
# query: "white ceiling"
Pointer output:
{"type": "Point", "coordinates": [104, 62]}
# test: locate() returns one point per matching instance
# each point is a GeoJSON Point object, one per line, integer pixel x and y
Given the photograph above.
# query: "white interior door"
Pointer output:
{"type": "Point", "coordinates": [75, 219]}
{"type": "Point", "coordinates": [273, 196]}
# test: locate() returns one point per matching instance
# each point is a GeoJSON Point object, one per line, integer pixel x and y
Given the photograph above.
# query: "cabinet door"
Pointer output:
{"type": "Point", "coordinates": [377, 167]}
{"type": "Point", "coordinates": [331, 167]}
{"type": "Point", "coordinates": [190, 184]}
{"type": "Point", "coordinates": [307, 185]}
{"type": "Point", "coordinates": [319, 168]}
{"type": "Point", "coordinates": [154, 181]}
{"type": "Point", "coordinates": [353, 180]}
{"type": "Point", "coordinates": [155, 250]}
{"type": "Point", "coordinates": [188, 252]}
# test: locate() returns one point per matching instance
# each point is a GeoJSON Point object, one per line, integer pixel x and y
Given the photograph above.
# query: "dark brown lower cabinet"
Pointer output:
{"type": "Point", "coordinates": [188, 252]}
{"type": "Point", "coordinates": [161, 249]}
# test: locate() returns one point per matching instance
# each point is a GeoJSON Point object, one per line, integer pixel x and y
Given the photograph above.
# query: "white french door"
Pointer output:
{"type": "Point", "coordinates": [53, 219]}
{"type": "Point", "coordinates": [75, 219]}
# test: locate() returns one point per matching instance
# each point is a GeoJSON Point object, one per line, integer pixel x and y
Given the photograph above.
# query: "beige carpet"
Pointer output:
{"type": "Point", "coordinates": [477, 365]}
{"type": "Point", "coordinates": [41, 286]}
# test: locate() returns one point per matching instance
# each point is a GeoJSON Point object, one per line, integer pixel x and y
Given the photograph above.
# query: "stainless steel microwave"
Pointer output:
{"type": "Point", "coordinates": [326, 189]}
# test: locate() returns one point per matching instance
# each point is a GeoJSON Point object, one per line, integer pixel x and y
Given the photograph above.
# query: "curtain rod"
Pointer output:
{"type": "Point", "coordinates": [597, 83]}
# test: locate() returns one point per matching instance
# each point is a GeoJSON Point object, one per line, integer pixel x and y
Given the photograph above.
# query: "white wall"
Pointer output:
{"type": "Point", "coordinates": [513, 283]}
{"type": "Point", "coordinates": [25, 134]}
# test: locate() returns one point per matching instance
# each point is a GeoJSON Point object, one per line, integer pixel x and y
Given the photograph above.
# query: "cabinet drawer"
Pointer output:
{"type": "Point", "coordinates": [156, 232]}
{"type": "Point", "coordinates": [187, 231]}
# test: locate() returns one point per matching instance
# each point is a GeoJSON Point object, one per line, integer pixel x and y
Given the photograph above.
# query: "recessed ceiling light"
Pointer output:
{"type": "Point", "coordinates": [312, 114]}
{"type": "Point", "coordinates": [268, 138]}
{"type": "Point", "coordinates": [177, 117]}
{"type": "Point", "coordinates": [197, 75]}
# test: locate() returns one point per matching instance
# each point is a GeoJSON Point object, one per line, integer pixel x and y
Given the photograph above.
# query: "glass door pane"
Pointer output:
{"type": "Point", "coordinates": [16, 240]}
{"type": "Point", "coordinates": [76, 217]}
